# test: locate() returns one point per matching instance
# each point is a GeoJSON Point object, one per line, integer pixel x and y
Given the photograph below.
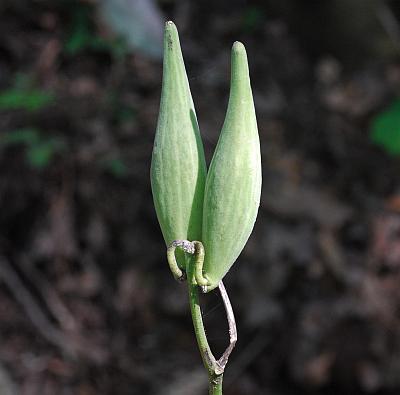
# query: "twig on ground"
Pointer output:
{"type": "Point", "coordinates": [56, 306]}
{"type": "Point", "coordinates": [72, 344]}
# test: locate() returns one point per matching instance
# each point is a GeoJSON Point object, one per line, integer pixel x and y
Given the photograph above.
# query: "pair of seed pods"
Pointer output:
{"type": "Point", "coordinates": [218, 207]}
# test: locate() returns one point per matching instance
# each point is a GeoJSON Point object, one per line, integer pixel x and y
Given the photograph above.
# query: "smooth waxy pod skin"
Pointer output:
{"type": "Point", "coordinates": [233, 185]}
{"type": "Point", "coordinates": [178, 168]}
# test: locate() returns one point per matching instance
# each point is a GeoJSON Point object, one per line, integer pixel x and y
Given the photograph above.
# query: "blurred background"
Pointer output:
{"type": "Point", "coordinates": [87, 302]}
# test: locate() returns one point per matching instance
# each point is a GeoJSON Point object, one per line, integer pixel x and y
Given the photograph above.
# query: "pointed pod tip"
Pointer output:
{"type": "Point", "coordinates": [239, 55]}
{"type": "Point", "coordinates": [238, 47]}
{"type": "Point", "coordinates": [239, 60]}
{"type": "Point", "coordinates": [170, 27]}
{"type": "Point", "coordinates": [171, 36]}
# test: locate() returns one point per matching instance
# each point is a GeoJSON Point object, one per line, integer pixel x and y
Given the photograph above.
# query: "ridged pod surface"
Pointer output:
{"type": "Point", "coordinates": [178, 168]}
{"type": "Point", "coordinates": [233, 185]}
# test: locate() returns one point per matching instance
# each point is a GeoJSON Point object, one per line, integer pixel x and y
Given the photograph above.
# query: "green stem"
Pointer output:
{"type": "Point", "coordinates": [194, 265]}
{"type": "Point", "coordinates": [215, 385]}
{"type": "Point", "coordinates": [215, 380]}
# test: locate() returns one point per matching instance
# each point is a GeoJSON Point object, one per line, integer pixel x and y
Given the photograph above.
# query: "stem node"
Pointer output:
{"type": "Point", "coordinates": [195, 278]}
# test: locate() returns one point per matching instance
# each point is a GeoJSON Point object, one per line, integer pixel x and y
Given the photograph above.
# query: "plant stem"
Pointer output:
{"type": "Point", "coordinates": [214, 376]}
{"type": "Point", "coordinates": [194, 264]}
{"type": "Point", "coordinates": [215, 385]}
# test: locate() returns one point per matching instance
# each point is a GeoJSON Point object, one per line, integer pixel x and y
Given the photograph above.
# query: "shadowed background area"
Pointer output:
{"type": "Point", "coordinates": [87, 302]}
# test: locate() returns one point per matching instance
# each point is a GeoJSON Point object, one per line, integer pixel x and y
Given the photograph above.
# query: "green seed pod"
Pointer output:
{"type": "Point", "coordinates": [178, 168]}
{"type": "Point", "coordinates": [233, 185]}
